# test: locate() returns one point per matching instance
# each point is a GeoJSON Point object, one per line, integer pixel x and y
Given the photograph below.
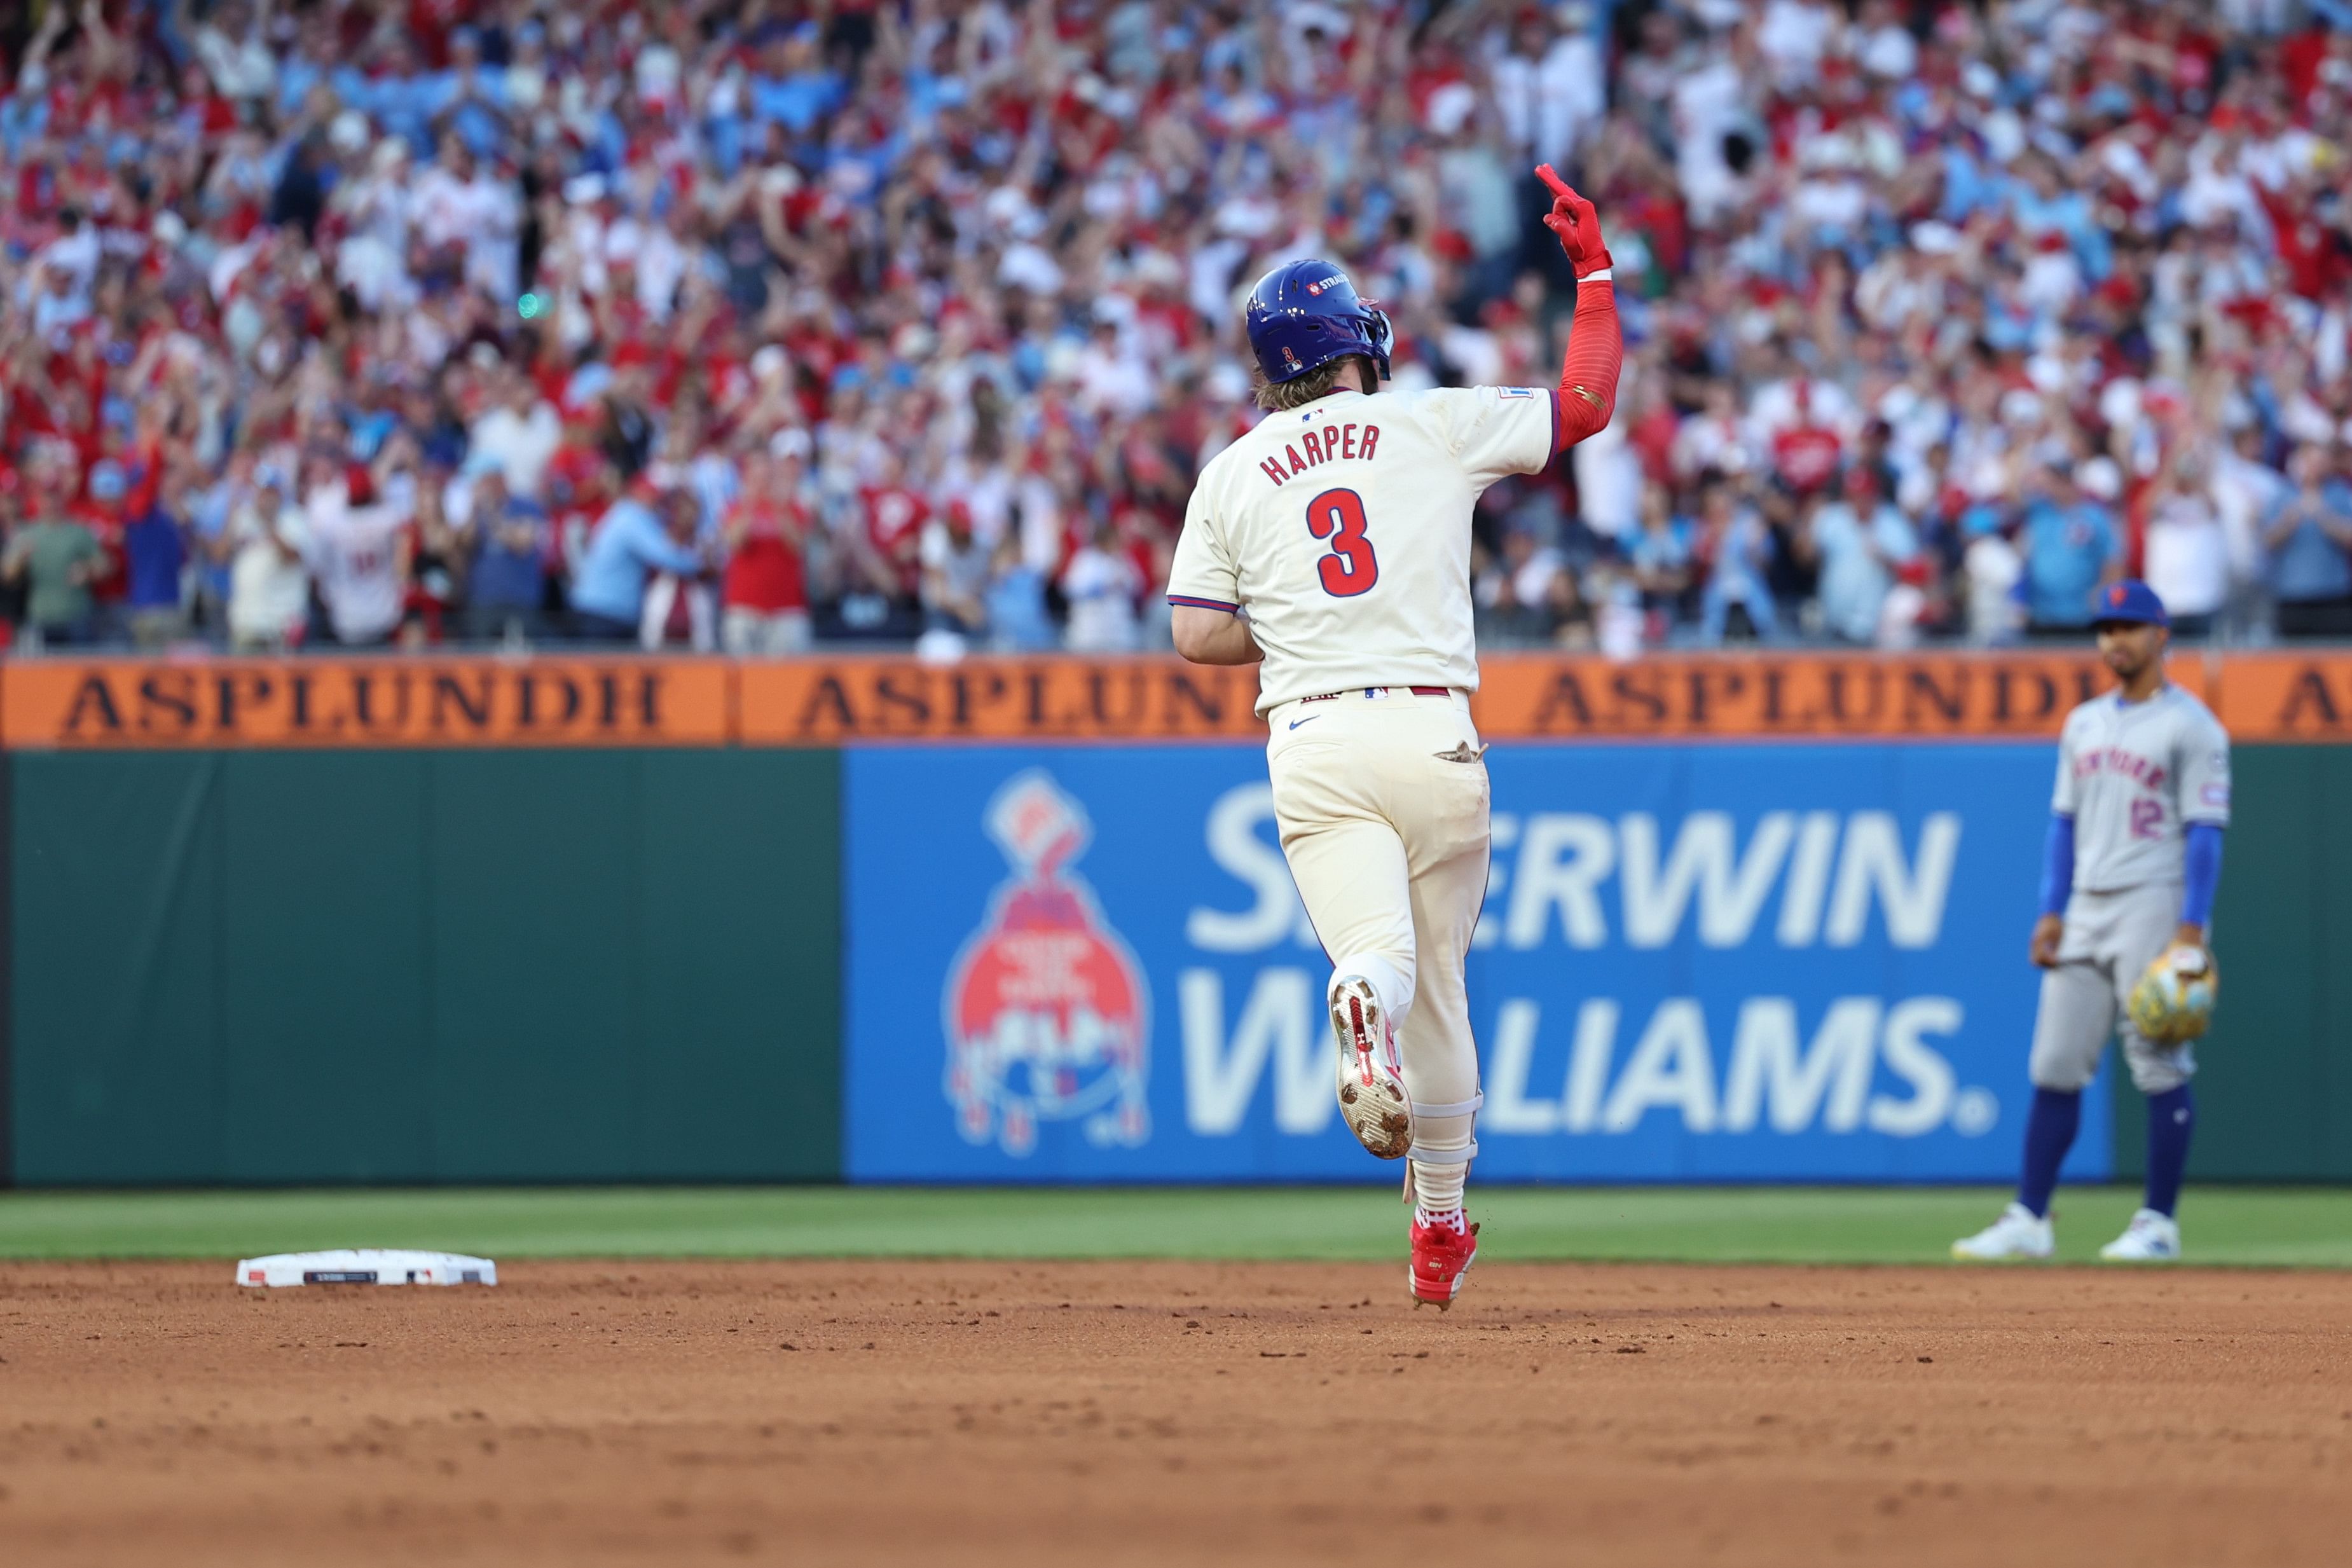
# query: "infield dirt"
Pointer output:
{"type": "Point", "coordinates": [1120, 1413]}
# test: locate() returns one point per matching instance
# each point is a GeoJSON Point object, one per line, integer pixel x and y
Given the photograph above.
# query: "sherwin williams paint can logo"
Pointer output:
{"type": "Point", "coordinates": [1047, 1012]}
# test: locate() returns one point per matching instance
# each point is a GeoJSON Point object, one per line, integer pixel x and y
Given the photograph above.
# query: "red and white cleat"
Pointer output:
{"type": "Point", "coordinates": [1443, 1248]}
{"type": "Point", "coordinates": [1373, 1100]}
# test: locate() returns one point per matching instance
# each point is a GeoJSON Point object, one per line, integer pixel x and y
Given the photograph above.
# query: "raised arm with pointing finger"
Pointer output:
{"type": "Point", "coordinates": [1596, 348]}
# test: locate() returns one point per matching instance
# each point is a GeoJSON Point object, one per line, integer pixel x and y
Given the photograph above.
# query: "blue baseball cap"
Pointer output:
{"type": "Point", "coordinates": [2130, 602]}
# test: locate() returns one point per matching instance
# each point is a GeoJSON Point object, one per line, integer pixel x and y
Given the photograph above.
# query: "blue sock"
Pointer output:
{"type": "Point", "coordinates": [2171, 1118]}
{"type": "Point", "coordinates": [2049, 1133]}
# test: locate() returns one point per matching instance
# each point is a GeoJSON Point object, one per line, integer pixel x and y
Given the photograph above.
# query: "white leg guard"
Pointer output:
{"type": "Point", "coordinates": [1443, 1144]}
{"type": "Point", "coordinates": [1390, 982]}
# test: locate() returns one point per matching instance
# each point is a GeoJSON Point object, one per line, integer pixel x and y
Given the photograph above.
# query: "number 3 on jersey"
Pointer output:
{"type": "Point", "coordinates": [1352, 568]}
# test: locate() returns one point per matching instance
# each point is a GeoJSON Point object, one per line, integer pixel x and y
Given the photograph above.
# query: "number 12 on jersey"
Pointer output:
{"type": "Point", "coordinates": [1352, 568]}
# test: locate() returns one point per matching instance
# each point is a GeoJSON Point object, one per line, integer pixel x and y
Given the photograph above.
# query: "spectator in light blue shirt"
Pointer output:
{"type": "Point", "coordinates": [795, 90]}
{"type": "Point", "coordinates": [404, 98]}
{"type": "Point", "coordinates": [1740, 545]}
{"type": "Point", "coordinates": [633, 541]}
{"type": "Point", "coordinates": [1859, 538]}
{"type": "Point", "coordinates": [1660, 555]}
{"type": "Point", "coordinates": [2309, 539]}
{"type": "Point", "coordinates": [2043, 204]}
{"type": "Point", "coordinates": [2070, 549]}
{"type": "Point", "coordinates": [208, 512]}
{"type": "Point", "coordinates": [1968, 186]}
{"type": "Point", "coordinates": [1016, 602]}
{"type": "Point", "coordinates": [477, 96]}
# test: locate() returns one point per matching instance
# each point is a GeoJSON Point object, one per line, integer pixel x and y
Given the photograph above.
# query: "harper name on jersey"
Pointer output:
{"type": "Point", "coordinates": [2132, 775]}
{"type": "Point", "coordinates": [1339, 441]}
{"type": "Point", "coordinates": [1344, 526]}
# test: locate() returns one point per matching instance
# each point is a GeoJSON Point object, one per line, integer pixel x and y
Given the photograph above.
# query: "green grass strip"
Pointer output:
{"type": "Point", "coordinates": [2237, 1225]}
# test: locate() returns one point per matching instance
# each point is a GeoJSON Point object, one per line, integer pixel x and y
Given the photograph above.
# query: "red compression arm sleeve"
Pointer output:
{"type": "Point", "coordinates": [1588, 377]}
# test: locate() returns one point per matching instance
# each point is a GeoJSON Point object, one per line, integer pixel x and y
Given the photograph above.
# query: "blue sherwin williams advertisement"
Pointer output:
{"type": "Point", "coordinates": [1739, 962]}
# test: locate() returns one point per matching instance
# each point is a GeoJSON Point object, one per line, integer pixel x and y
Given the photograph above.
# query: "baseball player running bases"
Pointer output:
{"type": "Point", "coordinates": [1332, 541]}
{"type": "Point", "coordinates": [2134, 857]}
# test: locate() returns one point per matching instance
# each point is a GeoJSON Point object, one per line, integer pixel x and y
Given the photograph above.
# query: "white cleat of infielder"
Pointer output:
{"type": "Point", "coordinates": [2151, 1237]}
{"type": "Point", "coordinates": [1373, 1100]}
{"type": "Point", "coordinates": [2018, 1233]}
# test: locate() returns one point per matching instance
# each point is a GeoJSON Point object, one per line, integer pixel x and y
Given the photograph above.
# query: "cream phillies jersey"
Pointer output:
{"type": "Point", "coordinates": [2132, 775]}
{"type": "Point", "coordinates": [1343, 528]}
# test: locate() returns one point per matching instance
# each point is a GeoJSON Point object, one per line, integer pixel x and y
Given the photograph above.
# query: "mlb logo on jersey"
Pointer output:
{"type": "Point", "coordinates": [1516, 392]}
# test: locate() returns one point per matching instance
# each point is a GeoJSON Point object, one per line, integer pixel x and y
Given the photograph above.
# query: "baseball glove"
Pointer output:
{"type": "Point", "coordinates": [2172, 1002]}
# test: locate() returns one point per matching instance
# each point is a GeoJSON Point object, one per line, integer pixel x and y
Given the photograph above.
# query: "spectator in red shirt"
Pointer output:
{"type": "Point", "coordinates": [764, 600]}
{"type": "Point", "coordinates": [895, 513]}
{"type": "Point", "coordinates": [1805, 452]}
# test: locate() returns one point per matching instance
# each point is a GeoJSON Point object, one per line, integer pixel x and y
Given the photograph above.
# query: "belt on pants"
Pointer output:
{"type": "Point", "coordinates": [1379, 691]}
{"type": "Point", "coordinates": [1452, 694]}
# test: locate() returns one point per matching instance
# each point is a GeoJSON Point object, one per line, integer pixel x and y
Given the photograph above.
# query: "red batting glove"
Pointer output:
{"type": "Point", "coordinates": [1577, 224]}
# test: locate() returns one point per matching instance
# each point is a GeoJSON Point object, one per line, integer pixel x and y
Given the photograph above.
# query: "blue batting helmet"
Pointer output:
{"type": "Point", "coordinates": [2130, 602]}
{"type": "Point", "coordinates": [1305, 313]}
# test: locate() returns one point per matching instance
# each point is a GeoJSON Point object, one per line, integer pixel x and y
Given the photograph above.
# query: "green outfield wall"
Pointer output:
{"type": "Point", "coordinates": [285, 966]}
{"type": "Point", "coordinates": [291, 966]}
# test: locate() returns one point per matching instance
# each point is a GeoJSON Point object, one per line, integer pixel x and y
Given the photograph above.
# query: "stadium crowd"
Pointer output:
{"type": "Point", "coordinates": [737, 322]}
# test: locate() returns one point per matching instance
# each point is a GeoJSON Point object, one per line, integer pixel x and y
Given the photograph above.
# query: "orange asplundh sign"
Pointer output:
{"type": "Point", "coordinates": [558, 700]}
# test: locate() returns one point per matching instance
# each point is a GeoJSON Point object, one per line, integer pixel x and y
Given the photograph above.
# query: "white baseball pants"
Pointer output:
{"type": "Point", "coordinates": [1382, 805]}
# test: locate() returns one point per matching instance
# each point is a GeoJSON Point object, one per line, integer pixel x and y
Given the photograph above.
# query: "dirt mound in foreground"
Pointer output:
{"type": "Point", "coordinates": [1120, 1412]}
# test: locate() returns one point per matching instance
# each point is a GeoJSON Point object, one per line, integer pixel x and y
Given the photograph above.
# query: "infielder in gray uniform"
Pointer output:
{"type": "Point", "coordinates": [2134, 855]}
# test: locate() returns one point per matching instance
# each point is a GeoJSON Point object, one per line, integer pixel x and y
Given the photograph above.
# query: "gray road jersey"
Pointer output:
{"type": "Point", "coordinates": [2132, 777]}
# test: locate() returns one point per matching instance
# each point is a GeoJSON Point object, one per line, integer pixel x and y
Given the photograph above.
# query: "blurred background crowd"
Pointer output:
{"type": "Point", "coordinates": [746, 323]}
